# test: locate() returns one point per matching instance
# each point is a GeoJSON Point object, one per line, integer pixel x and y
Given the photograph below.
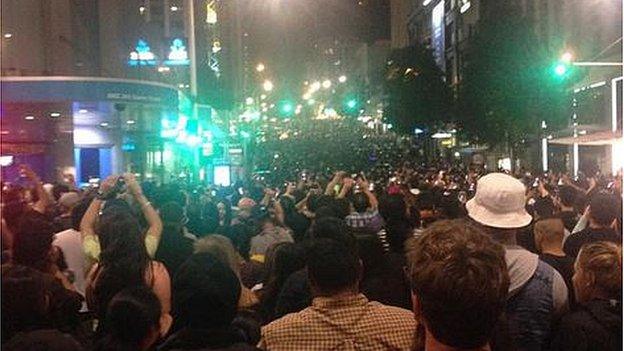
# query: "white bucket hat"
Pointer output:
{"type": "Point", "coordinates": [499, 202]}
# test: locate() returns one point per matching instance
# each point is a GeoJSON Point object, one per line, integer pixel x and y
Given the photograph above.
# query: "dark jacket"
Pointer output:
{"type": "Point", "coordinates": [295, 294]}
{"type": "Point", "coordinates": [43, 339]}
{"type": "Point", "coordinates": [595, 325]}
{"type": "Point", "coordinates": [206, 339]}
{"type": "Point", "coordinates": [574, 242]}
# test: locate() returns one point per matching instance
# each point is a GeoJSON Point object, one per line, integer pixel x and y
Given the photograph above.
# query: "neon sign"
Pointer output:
{"type": "Point", "coordinates": [211, 13]}
{"type": "Point", "coordinates": [142, 56]}
{"type": "Point", "coordinates": [177, 53]}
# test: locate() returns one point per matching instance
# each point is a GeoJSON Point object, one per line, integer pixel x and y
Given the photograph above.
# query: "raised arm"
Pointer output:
{"type": "Point", "coordinates": [87, 225]}
{"type": "Point", "coordinates": [347, 184]}
{"type": "Point", "coordinates": [329, 190]}
{"type": "Point", "coordinates": [150, 214]}
{"type": "Point", "coordinates": [43, 200]}
{"type": "Point", "coordinates": [372, 199]}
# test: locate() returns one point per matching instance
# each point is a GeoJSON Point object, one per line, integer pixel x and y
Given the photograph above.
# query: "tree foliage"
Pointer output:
{"type": "Point", "coordinates": [416, 92]}
{"type": "Point", "coordinates": [507, 87]}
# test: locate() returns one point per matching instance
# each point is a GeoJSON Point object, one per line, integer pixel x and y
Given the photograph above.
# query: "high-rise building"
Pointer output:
{"type": "Point", "coordinates": [444, 26]}
{"type": "Point", "coordinates": [400, 11]}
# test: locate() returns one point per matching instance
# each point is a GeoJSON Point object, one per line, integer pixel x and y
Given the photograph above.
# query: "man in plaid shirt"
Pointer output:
{"type": "Point", "coordinates": [365, 214]}
{"type": "Point", "coordinates": [340, 318]}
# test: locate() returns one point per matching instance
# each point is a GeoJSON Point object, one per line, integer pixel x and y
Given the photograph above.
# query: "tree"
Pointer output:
{"type": "Point", "coordinates": [507, 87]}
{"type": "Point", "coordinates": [416, 92]}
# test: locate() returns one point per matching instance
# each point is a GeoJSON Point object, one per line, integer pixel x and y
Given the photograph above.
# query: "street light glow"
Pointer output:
{"type": "Point", "coordinates": [342, 78]}
{"type": "Point", "coordinates": [260, 67]}
{"type": "Point", "coordinates": [326, 84]}
{"type": "Point", "coordinates": [560, 69]}
{"type": "Point", "coordinates": [8, 35]}
{"type": "Point", "coordinates": [315, 86]}
{"type": "Point", "coordinates": [267, 85]}
{"type": "Point", "coordinates": [566, 57]}
{"type": "Point", "coordinates": [249, 100]}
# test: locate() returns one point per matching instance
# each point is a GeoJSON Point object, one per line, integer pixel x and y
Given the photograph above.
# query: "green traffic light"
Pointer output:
{"type": "Point", "coordinates": [287, 108]}
{"type": "Point", "coordinates": [560, 69]}
{"type": "Point", "coordinates": [352, 103]}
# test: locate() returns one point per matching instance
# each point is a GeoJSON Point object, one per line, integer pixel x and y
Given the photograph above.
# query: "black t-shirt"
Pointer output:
{"type": "Point", "coordinates": [570, 218]}
{"type": "Point", "coordinates": [575, 241]}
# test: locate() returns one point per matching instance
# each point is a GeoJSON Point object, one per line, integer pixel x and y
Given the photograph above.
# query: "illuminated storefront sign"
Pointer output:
{"type": "Point", "coordinates": [177, 53]}
{"type": "Point", "coordinates": [211, 13]}
{"type": "Point", "coordinates": [142, 56]}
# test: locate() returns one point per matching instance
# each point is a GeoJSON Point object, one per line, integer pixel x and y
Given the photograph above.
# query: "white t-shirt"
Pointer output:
{"type": "Point", "coordinates": [70, 242]}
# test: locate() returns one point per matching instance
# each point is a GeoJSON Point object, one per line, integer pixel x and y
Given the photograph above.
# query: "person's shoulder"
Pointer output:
{"type": "Point", "coordinates": [391, 313]}
{"type": "Point", "coordinates": [67, 234]}
{"type": "Point", "coordinates": [48, 339]}
{"type": "Point", "coordinates": [289, 322]}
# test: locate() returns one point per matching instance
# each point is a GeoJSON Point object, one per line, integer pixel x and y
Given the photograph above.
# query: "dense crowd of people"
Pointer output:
{"type": "Point", "coordinates": [411, 258]}
{"type": "Point", "coordinates": [345, 144]}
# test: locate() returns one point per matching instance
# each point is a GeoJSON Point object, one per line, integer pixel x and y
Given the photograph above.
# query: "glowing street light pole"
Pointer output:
{"type": "Point", "coordinates": [267, 85]}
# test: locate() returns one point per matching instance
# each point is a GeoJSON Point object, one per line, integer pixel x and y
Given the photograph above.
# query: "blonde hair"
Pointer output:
{"type": "Point", "coordinates": [221, 248]}
{"type": "Point", "coordinates": [603, 260]}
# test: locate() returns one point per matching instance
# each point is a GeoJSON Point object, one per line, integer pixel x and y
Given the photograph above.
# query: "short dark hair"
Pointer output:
{"type": "Point", "coordinates": [567, 195]}
{"type": "Point", "coordinates": [333, 228]}
{"type": "Point", "coordinates": [205, 293]}
{"type": "Point", "coordinates": [33, 242]}
{"type": "Point", "coordinates": [342, 207]}
{"type": "Point", "coordinates": [392, 207]}
{"type": "Point", "coordinates": [460, 278]}
{"type": "Point", "coordinates": [325, 212]}
{"type": "Point", "coordinates": [360, 202]}
{"type": "Point", "coordinates": [604, 208]}
{"type": "Point", "coordinates": [78, 212]}
{"type": "Point", "coordinates": [332, 266]}
{"type": "Point", "coordinates": [23, 300]}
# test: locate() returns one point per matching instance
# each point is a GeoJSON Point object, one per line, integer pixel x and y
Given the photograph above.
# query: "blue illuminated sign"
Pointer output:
{"type": "Point", "coordinates": [142, 56]}
{"type": "Point", "coordinates": [178, 56]}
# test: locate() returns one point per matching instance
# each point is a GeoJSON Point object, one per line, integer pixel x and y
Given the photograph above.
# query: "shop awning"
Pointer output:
{"type": "Point", "coordinates": [605, 137]}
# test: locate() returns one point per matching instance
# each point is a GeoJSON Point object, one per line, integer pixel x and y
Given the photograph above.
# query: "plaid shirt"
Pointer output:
{"type": "Point", "coordinates": [370, 220]}
{"type": "Point", "coordinates": [349, 323]}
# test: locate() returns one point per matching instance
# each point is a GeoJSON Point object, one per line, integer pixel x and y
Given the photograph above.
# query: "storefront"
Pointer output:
{"type": "Point", "coordinates": [90, 127]}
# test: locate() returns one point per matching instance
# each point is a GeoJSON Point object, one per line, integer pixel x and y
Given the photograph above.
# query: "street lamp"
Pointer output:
{"type": "Point", "coordinates": [267, 85]}
{"type": "Point", "coordinates": [326, 84]}
{"type": "Point", "coordinates": [260, 67]}
{"type": "Point", "coordinates": [315, 86]}
{"type": "Point", "coordinates": [249, 100]}
{"type": "Point", "coordinates": [566, 57]}
{"type": "Point", "coordinates": [342, 78]}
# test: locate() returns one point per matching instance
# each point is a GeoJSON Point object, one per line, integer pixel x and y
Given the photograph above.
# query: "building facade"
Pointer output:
{"type": "Point", "coordinates": [135, 58]}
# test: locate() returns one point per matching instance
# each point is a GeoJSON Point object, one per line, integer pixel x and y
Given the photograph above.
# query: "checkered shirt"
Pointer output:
{"type": "Point", "coordinates": [369, 219]}
{"type": "Point", "coordinates": [349, 323]}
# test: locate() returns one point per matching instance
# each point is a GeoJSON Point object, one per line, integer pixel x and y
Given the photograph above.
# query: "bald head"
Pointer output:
{"type": "Point", "coordinates": [549, 232]}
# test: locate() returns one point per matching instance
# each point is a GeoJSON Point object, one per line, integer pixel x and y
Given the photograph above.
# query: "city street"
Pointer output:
{"type": "Point", "coordinates": [431, 175]}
